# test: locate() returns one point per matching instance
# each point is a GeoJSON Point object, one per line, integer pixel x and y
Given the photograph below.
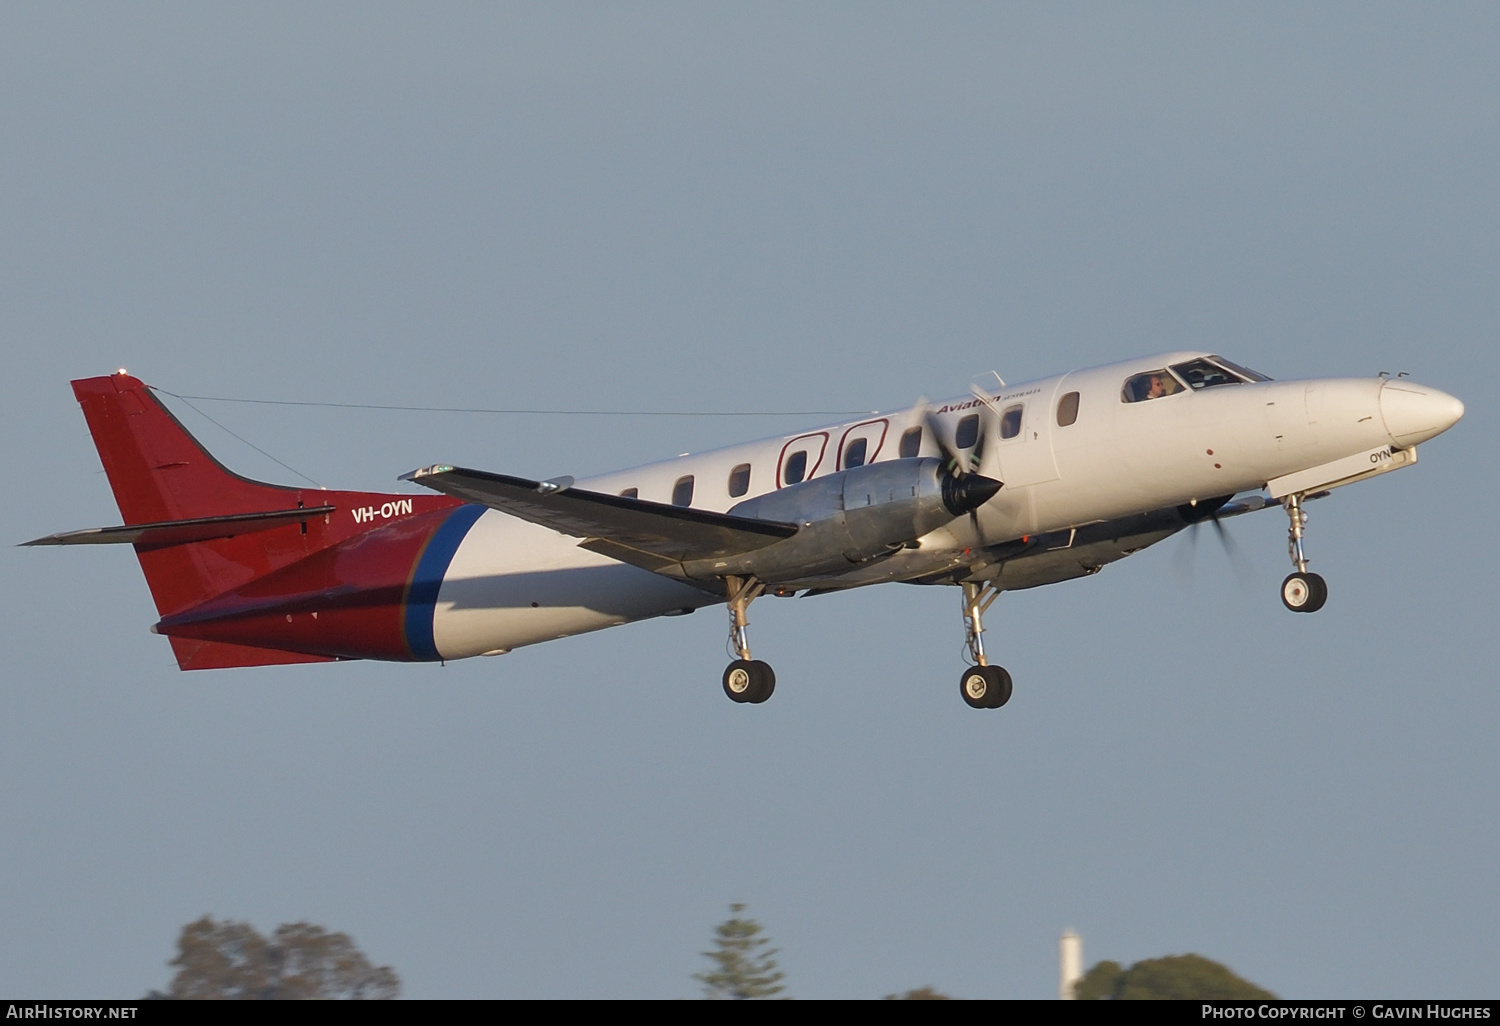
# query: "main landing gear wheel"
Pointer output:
{"type": "Point", "coordinates": [985, 687]}
{"type": "Point", "coordinates": [1304, 592]}
{"type": "Point", "coordinates": [749, 680]}
{"type": "Point", "coordinates": [745, 679]}
{"type": "Point", "coordinates": [982, 686]}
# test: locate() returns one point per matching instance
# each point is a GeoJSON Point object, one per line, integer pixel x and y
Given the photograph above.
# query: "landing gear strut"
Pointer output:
{"type": "Point", "coordinates": [1301, 592]}
{"type": "Point", "coordinates": [982, 686]}
{"type": "Point", "coordinates": [745, 679]}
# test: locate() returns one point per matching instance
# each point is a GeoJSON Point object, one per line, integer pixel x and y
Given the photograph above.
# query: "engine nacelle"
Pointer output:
{"type": "Point", "coordinates": [851, 517]}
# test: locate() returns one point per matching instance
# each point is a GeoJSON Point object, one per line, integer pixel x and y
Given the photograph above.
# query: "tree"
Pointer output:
{"type": "Point", "coordinates": [1175, 977]}
{"type": "Point", "coordinates": [742, 970]}
{"type": "Point", "coordinates": [927, 993]}
{"type": "Point", "coordinates": [231, 960]}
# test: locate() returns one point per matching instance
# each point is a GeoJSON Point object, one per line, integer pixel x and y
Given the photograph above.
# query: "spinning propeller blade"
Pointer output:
{"type": "Point", "coordinates": [967, 487]}
{"type": "Point", "coordinates": [1232, 551]}
{"type": "Point", "coordinates": [957, 465]}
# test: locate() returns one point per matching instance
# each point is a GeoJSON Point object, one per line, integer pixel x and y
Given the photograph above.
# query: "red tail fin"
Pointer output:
{"type": "Point", "coordinates": [157, 470]}
{"type": "Point", "coordinates": [160, 473]}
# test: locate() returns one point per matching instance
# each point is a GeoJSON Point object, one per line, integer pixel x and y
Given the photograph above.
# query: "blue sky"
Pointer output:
{"type": "Point", "coordinates": [756, 207]}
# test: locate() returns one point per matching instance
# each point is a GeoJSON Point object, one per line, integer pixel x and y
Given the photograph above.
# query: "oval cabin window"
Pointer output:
{"type": "Point", "coordinates": [854, 455]}
{"type": "Point", "coordinates": [1010, 422]}
{"type": "Point", "coordinates": [968, 432]}
{"type": "Point", "coordinates": [1067, 410]}
{"type": "Point", "coordinates": [682, 491]}
{"type": "Point", "coordinates": [739, 480]}
{"type": "Point", "coordinates": [796, 467]}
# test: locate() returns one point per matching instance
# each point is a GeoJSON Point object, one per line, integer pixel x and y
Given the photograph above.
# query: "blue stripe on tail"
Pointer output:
{"type": "Point", "coordinates": [427, 578]}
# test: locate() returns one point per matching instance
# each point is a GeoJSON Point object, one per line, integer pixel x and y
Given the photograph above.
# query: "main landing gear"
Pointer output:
{"type": "Point", "coordinates": [752, 681]}
{"type": "Point", "coordinates": [745, 679]}
{"type": "Point", "coordinates": [1301, 592]}
{"type": "Point", "coordinates": [982, 686]}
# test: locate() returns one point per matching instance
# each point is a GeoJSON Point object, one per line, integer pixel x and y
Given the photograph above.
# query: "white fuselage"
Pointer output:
{"type": "Point", "coordinates": [514, 583]}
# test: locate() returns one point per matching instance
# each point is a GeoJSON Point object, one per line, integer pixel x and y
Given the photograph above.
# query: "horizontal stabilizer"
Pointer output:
{"type": "Point", "coordinates": [193, 654]}
{"type": "Point", "coordinates": [645, 534]}
{"type": "Point", "coordinates": [181, 532]}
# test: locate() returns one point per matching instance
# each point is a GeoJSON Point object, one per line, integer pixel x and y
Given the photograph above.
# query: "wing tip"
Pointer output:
{"type": "Point", "coordinates": [421, 472]}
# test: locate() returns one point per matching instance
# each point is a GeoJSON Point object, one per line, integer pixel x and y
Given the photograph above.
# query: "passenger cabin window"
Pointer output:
{"type": "Point", "coordinates": [854, 455]}
{"type": "Point", "coordinates": [1067, 410]}
{"type": "Point", "coordinates": [1010, 422]}
{"type": "Point", "coordinates": [796, 467]}
{"type": "Point", "coordinates": [631, 493]}
{"type": "Point", "coordinates": [1150, 385]}
{"type": "Point", "coordinates": [968, 432]}
{"type": "Point", "coordinates": [682, 491]}
{"type": "Point", "coordinates": [739, 480]}
{"type": "Point", "coordinates": [911, 443]}
{"type": "Point", "coordinates": [1202, 374]}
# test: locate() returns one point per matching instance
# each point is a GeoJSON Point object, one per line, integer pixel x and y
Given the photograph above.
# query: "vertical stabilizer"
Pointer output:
{"type": "Point", "coordinates": [161, 475]}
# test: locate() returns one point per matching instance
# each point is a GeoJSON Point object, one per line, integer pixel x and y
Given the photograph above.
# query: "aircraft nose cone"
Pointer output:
{"type": "Point", "coordinates": [1414, 413]}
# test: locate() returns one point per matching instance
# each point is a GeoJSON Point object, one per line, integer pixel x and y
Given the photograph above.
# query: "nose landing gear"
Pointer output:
{"type": "Point", "coordinates": [745, 679]}
{"type": "Point", "coordinates": [982, 686]}
{"type": "Point", "coordinates": [1301, 592]}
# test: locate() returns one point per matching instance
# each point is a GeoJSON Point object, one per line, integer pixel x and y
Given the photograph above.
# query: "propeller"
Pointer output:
{"type": "Point", "coordinates": [969, 460]}
{"type": "Point", "coordinates": [965, 487]}
{"type": "Point", "coordinates": [1211, 511]}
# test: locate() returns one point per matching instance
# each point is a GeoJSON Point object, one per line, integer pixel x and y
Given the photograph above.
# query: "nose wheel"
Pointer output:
{"type": "Point", "coordinates": [1301, 592]}
{"type": "Point", "coordinates": [1304, 593]}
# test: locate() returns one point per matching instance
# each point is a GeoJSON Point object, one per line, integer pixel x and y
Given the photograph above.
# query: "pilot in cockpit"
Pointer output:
{"type": "Point", "coordinates": [1152, 385]}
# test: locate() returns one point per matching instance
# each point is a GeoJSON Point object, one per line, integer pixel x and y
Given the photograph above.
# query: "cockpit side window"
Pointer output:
{"type": "Point", "coordinates": [1203, 374]}
{"type": "Point", "coordinates": [1150, 385]}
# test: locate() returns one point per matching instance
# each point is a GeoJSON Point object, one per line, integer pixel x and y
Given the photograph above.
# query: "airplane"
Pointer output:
{"type": "Point", "coordinates": [1003, 489]}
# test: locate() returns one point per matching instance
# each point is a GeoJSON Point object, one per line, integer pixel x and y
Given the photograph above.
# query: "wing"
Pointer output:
{"type": "Point", "coordinates": [651, 535]}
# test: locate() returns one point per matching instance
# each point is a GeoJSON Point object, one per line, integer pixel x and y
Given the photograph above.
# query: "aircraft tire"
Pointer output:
{"type": "Point", "coordinates": [1304, 593]}
{"type": "Point", "coordinates": [765, 683]}
{"type": "Point", "coordinates": [985, 687]}
{"type": "Point", "coordinates": [739, 681]}
{"type": "Point", "coordinates": [749, 680]}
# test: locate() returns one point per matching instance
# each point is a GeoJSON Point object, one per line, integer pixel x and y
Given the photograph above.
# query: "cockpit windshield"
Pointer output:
{"type": "Point", "coordinates": [1204, 372]}
{"type": "Point", "coordinates": [1207, 373]}
{"type": "Point", "coordinates": [1244, 372]}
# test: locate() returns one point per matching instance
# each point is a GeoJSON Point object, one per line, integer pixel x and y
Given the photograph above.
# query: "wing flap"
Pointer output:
{"type": "Point", "coordinates": [651, 535]}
